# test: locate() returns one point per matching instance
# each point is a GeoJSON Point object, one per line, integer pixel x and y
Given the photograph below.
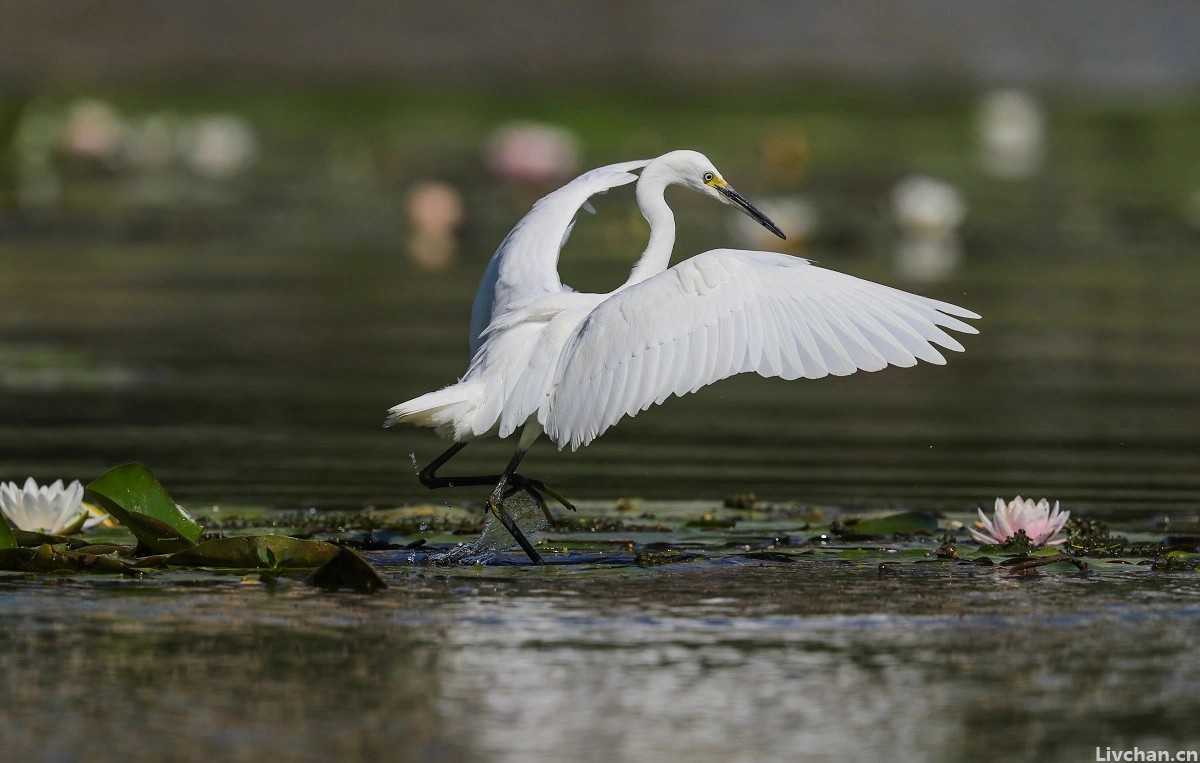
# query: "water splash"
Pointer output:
{"type": "Point", "coordinates": [495, 539]}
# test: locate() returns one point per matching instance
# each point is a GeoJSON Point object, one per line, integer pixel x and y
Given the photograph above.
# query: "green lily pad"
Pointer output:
{"type": "Point", "coordinates": [346, 569]}
{"type": "Point", "coordinates": [35, 539]}
{"type": "Point", "coordinates": [904, 523]}
{"type": "Point", "coordinates": [7, 538]}
{"type": "Point", "coordinates": [916, 553]}
{"type": "Point", "coordinates": [47, 559]}
{"type": "Point", "coordinates": [1175, 561]}
{"type": "Point", "coordinates": [131, 493]}
{"type": "Point", "coordinates": [256, 552]}
{"type": "Point", "coordinates": [713, 522]}
{"type": "Point", "coordinates": [658, 554]}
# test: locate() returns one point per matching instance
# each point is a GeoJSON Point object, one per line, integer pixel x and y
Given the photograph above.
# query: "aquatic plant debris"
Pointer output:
{"type": "Point", "coordinates": [165, 534]}
{"type": "Point", "coordinates": [345, 547]}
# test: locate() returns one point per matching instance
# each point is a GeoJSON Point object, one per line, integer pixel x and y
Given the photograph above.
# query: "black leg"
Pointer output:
{"type": "Point", "coordinates": [429, 479]}
{"type": "Point", "coordinates": [496, 504]}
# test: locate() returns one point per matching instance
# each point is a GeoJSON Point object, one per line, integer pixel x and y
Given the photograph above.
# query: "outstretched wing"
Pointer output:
{"type": "Point", "coordinates": [726, 312]}
{"type": "Point", "coordinates": [526, 264]}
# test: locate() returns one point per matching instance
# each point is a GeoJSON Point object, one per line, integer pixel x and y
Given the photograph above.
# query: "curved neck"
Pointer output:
{"type": "Point", "coordinates": [657, 256]}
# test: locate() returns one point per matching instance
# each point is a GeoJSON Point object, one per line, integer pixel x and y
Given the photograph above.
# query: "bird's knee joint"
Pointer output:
{"type": "Point", "coordinates": [428, 478]}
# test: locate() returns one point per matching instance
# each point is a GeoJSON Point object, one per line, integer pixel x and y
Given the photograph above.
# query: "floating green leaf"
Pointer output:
{"type": "Point", "coordinates": [35, 539]}
{"type": "Point", "coordinates": [657, 554]}
{"type": "Point", "coordinates": [104, 548]}
{"type": "Point", "coordinates": [1175, 561]}
{"type": "Point", "coordinates": [47, 559]}
{"type": "Point", "coordinates": [256, 552]}
{"type": "Point", "coordinates": [713, 522]}
{"type": "Point", "coordinates": [7, 538]}
{"type": "Point", "coordinates": [131, 493]}
{"type": "Point", "coordinates": [905, 523]}
{"type": "Point", "coordinates": [346, 569]}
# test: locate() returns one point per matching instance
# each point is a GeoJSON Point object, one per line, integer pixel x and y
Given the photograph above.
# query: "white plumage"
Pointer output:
{"type": "Point", "coordinates": [727, 312]}
{"type": "Point", "coordinates": [569, 364]}
{"type": "Point", "coordinates": [526, 263]}
{"type": "Point", "coordinates": [572, 364]}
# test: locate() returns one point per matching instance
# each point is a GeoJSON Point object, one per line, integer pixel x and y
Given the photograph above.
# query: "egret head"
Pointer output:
{"type": "Point", "coordinates": [693, 170]}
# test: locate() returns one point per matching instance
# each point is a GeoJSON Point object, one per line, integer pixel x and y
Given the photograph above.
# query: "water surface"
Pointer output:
{"type": "Point", "coordinates": [747, 661]}
{"type": "Point", "coordinates": [246, 339]}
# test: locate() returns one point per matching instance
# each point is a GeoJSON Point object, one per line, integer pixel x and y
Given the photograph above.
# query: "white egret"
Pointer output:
{"type": "Point", "coordinates": [547, 359]}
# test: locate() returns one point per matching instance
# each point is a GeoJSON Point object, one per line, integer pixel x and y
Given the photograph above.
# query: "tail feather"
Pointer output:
{"type": "Point", "coordinates": [441, 410]}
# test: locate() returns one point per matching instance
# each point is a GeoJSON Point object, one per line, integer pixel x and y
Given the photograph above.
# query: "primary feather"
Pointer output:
{"type": "Point", "coordinates": [727, 312]}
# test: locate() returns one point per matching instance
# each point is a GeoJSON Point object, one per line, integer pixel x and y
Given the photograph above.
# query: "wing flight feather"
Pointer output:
{"type": "Point", "coordinates": [726, 312]}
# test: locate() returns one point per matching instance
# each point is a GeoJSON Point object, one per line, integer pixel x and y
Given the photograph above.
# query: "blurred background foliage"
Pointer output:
{"type": "Point", "coordinates": [233, 235]}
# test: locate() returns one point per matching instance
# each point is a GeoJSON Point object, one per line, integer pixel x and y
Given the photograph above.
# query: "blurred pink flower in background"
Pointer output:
{"type": "Point", "coordinates": [436, 211]}
{"type": "Point", "coordinates": [532, 153]}
{"type": "Point", "coordinates": [92, 131]}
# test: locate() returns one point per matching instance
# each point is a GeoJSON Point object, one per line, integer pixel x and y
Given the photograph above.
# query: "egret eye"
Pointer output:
{"type": "Point", "coordinates": [708, 177]}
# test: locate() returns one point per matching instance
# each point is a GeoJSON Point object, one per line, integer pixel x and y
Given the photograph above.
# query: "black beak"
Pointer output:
{"type": "Point", "coordinates": [740, 202]}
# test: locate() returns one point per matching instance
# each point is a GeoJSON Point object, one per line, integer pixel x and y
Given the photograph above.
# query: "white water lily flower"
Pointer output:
{"type": "Point", "coordinates": [1040, 523]}
{"type": "Point", "coordinates": [927, 208]}
{"type": "Point", "coordinates": [51, 509]}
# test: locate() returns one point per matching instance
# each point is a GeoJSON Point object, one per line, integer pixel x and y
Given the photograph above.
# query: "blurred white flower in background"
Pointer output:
{"type": "Point", "coordinates": [795, 215]}
{"type": "Point", "coordinates": [927, 208]}
{"type": "Point", "coordinates": [532, 153]}
{"type": "Point", "coordinates": [50, 509]}
{"type": "Point", "coordinates": [929, 212]}
{"type": "Point", "coordinates": [92, 131]}
{"type": "Point", "coordinates": [150, 143]}
{"type": "Point", "coordinates": [435, 210]}
{"type": "Point", "coordinates": [218, 146]}
{"type": "Point", "coordinates": [1011, 134]}
{"type": "Point", "coordinates": [1040, 523]}
{"type": "Point", "coordinates": [921, 259]}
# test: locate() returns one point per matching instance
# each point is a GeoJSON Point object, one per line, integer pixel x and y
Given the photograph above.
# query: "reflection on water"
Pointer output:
{"type": "Point", "coordinates": [705, 662]}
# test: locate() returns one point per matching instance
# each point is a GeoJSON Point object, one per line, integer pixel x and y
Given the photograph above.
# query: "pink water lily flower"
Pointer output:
{"type": "Point", "coordinates": [1040, 523]}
